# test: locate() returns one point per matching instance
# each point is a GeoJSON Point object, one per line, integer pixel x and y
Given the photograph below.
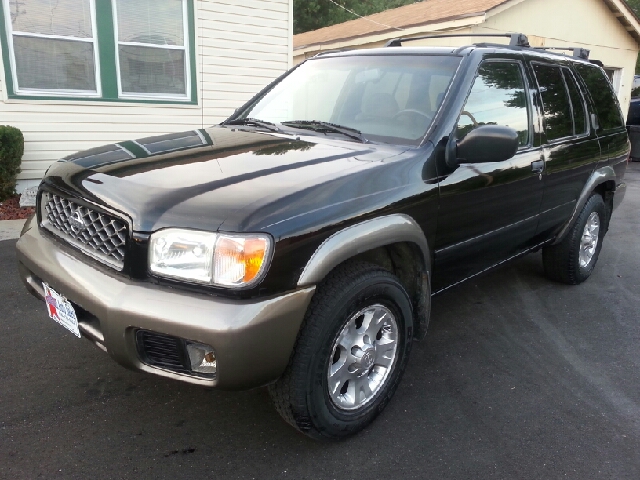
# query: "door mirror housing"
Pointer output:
{"type": "Point", "coordinates": [487, 143]}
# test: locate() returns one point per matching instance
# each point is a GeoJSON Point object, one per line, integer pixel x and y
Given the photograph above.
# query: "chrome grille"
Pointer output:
{"type": "Point", "coordinates": [97, 234]}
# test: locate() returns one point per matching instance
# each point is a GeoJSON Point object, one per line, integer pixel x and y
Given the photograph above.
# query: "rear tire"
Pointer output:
{"type": "Point", "coordinates": [573, 259]}
{"type": "Point", "coordinates": [350, 355]}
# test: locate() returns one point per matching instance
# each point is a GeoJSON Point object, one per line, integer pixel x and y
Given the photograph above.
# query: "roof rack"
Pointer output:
{"type": "Point", "coordinates": [577, 52]}
{"type": "Point", "coordinates": [517, 39]}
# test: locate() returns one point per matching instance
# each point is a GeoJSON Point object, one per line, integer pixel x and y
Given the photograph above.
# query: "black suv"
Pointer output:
{"type": "Point", "coordinates": [298, 243]}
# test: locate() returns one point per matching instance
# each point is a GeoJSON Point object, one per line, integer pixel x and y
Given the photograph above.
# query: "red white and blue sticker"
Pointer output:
{"type": "Point", "coordinates": [61, 310]}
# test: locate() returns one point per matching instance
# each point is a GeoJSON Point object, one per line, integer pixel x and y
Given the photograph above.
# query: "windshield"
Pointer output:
{"type": "Point", "coordinates": [389, 98]}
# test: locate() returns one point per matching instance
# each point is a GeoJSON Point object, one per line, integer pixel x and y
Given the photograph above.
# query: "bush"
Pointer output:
{"type": "Point", "coordinates": [11, 150]}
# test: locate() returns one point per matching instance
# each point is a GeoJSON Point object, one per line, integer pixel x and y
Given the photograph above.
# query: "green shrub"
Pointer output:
{"type": "Point", "coordinates": [11, 150]}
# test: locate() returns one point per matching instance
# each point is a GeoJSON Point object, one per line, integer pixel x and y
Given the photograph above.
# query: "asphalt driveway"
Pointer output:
{"type": "Point", "coordinates": [518, 378]}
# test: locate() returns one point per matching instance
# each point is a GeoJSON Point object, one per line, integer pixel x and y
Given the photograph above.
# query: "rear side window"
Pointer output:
{"type": "Point", "coordinates": [498, 97]}
{"type": "Point", "coordinates": [604, 98]}
{"type": "Point", "coordinates": [555, 100]}
{"type": "Point", "coordinates": [577, 101]}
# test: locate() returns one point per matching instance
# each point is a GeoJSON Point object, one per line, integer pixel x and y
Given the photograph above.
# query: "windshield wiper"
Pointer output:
{"type": "Point", "coordinates": [320, 126]}
{"type": "Point", "coordinates": [255, 122]}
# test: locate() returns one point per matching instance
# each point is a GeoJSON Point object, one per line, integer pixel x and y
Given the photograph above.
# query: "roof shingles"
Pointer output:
{"type": "Point", "coordinates": [421, 13]}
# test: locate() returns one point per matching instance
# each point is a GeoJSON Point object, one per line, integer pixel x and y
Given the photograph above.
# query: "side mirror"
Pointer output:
{"type": "Point", "coordinates": [487, 143]}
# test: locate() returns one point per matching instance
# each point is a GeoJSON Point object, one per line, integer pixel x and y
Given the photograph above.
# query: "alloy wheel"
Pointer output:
{"type": "Point", "coordinates": [363, 356]}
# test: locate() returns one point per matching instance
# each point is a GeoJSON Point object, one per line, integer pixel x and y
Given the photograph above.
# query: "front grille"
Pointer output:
{"type": "Point", "coordinates": [97, 234]}
{"type": "Point", "coordinates": [162, 351]}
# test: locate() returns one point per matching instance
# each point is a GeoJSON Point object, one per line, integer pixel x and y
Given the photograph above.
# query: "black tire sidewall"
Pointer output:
{"type": "Point", "coordinates": [328, 420]}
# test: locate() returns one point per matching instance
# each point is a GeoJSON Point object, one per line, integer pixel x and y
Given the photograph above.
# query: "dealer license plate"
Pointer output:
{"type": "Point", "coordinates": [61, 310]}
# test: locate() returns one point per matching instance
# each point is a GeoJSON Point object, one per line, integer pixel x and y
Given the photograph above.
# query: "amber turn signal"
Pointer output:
{"type": "Point", "coordinates": [238, 261]}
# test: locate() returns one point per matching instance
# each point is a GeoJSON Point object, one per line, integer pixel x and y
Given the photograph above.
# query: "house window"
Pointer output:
{"type": "Point", "coordinates": [152, 47]}
{"type": "Point", "coordinates": [615, 77]}
{"type": "Point", "coordinates": [109, 50]}
{"type": "Point", "coordinates": [54, 46]}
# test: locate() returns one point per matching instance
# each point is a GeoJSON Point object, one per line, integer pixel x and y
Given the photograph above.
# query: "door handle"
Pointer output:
{"type": "Point", "coordinates": [537, 166]}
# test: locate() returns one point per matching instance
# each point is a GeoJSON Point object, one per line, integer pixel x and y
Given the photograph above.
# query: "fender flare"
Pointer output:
{"type": "Point", "coordinates": [598, 177]}
{"type": "Point", "coordinates": [360, 238]}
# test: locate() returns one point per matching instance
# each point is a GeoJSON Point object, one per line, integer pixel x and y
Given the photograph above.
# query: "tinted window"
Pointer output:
{"type": "Point", "coordinates": [635, 88]}
{"type": "Point", "coordinates": [602, 94]}
{"type": "Point", "coordinates": [498, 97]}
{"type": "Point", "coordinates": [633, 118]}
{"type": "Point", "coordinates": [555, 100]}
{"type": "Point", "coordinates": [579, 112]}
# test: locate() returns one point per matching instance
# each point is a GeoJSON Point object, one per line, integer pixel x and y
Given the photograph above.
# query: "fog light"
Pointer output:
{"type": "Point", "coordinates": [202, 358]}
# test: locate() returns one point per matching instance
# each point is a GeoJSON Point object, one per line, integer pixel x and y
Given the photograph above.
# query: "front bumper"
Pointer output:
{"type": "Point", "coordinates": [253, 339]}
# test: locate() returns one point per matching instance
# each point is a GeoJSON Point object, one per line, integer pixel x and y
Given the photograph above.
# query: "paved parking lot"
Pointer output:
{"type": "Point", "coordinates": [518, 378]}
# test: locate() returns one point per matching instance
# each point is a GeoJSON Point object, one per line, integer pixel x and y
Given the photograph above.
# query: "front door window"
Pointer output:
{"type": "Point", "coordinates": [498, 97]}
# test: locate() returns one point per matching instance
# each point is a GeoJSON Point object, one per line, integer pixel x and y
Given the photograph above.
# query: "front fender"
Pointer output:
{"type": "Point", "coordinates": [360, 238]}
{"type": "Point", "coordinates": [369, 235]}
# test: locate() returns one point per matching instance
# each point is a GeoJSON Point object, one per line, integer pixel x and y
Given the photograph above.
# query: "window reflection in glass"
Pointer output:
{"type": "Point", "coordinates": [579, 112]}
{"type": "Point", "coordinates": [603, 96]}
{"type": "Point", "coordinates": [498, 97]}
{"type": "Point", "coordinates": [555, 100]}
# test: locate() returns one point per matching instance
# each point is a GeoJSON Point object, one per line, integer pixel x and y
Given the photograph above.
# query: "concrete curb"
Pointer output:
{"type": "Point", "coordinates": [10, 229]}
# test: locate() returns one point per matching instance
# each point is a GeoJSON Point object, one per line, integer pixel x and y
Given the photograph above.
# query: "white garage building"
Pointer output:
{"type": "Point", "coordinates": [606, 27]}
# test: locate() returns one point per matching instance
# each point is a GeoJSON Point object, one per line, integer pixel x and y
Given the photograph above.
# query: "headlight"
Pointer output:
{"type": "Point", "coordinates": [209, 258]}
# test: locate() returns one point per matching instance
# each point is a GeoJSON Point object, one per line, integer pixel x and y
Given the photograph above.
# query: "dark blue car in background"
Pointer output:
{"type": "Point", "coordinates": [633, 119]}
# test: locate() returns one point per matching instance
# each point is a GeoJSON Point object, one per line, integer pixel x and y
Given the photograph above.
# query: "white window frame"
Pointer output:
{"type": "Point", "coordinates": [185, 48]}
{"type": "Point", "coordinates": [617, 78]}
{"type": "Point", "coordinates": [37, 92]}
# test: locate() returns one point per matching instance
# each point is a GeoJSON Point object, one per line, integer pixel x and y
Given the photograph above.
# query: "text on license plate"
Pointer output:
{"type": "Point", "coordinates": [61, 310]}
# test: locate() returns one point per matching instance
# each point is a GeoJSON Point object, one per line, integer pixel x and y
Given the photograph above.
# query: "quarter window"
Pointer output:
{"type": "Point", "coordinates": [604, 99]}
{"type": "Point", "coordinates": [498, 97]}
{"type": "Point", "coordinates": [555, 100]}
{"type": "Point", "coordinates": [577, 102]}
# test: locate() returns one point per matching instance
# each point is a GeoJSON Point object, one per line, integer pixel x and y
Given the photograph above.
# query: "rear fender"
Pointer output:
{"type": "Point", "coordinates": [598, 177]}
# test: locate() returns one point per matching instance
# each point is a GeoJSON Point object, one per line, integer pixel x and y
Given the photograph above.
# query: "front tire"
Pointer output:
{"type": "Point", "coordinates": [573, 259]}
{"type": "Point", "coordinates": [350, 355]}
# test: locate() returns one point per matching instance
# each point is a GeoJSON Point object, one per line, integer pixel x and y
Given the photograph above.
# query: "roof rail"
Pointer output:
{"type": "Point", "coordinates": [577, 52]}
{"type": "Point", "coordinates": [517, 39]}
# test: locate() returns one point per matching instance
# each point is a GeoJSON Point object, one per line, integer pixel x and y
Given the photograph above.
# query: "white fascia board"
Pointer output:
{"type": "Point", "coordinates": [628, 16]}
{"type": "Point", "coordinates": [388, 35]}
{"type": "Point", "coordinates": [501, 8]}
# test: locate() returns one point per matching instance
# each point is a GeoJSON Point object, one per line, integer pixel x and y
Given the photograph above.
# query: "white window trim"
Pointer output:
{"type": "Point", "coordinates": [187, 59]}
{"type": "Point", "coordinates": [53, 92]}
{"type": "Point", "coordinates": [617, 80]}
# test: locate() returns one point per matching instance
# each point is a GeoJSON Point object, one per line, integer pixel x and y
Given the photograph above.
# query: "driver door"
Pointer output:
{"type": "Point", "coordinates": [489, 211]}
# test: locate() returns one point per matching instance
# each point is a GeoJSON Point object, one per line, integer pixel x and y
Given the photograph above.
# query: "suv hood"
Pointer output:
{"type": "Point", "coordinates": [202, 179]}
